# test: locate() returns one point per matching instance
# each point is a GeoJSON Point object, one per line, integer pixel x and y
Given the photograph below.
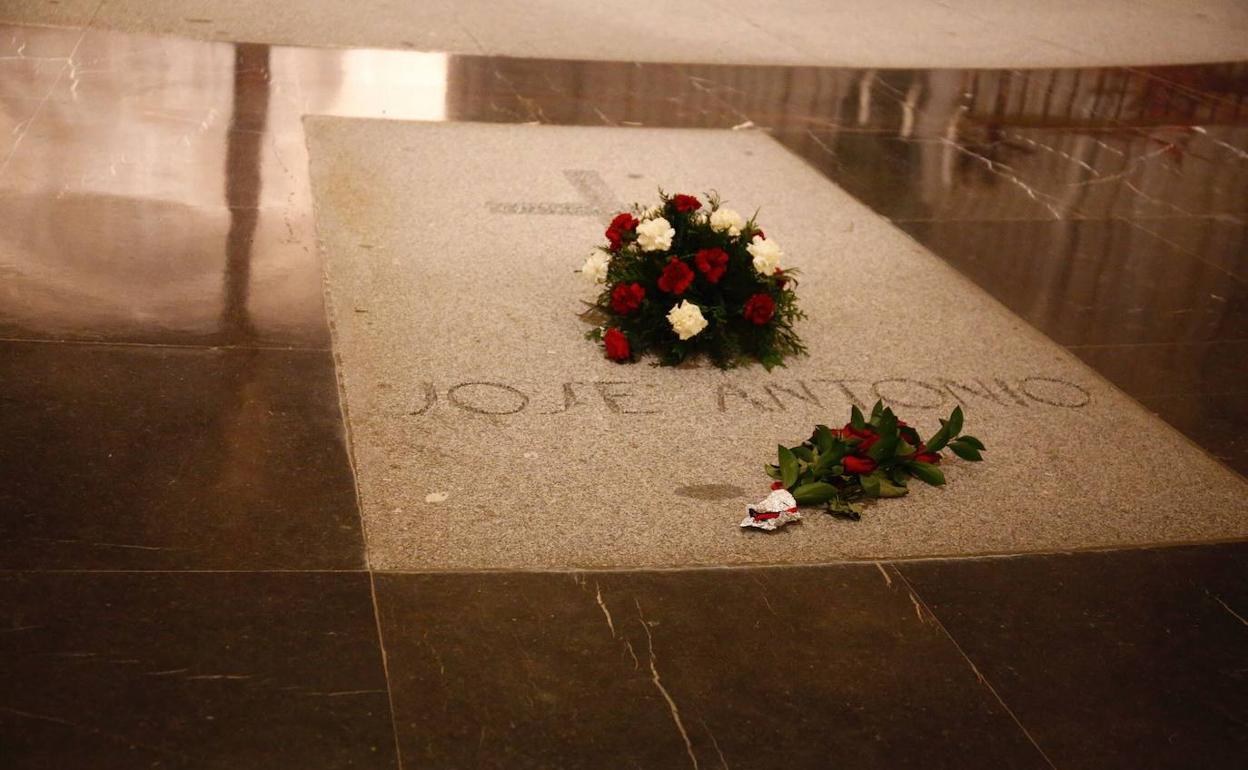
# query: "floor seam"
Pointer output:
{"type": "Point", "coordinates": [344, 414]}
{"type": "Point", "coordinates": [864, 561]}
{"type": "Point", "coordinates": [555, 570]}
{"type": "Point", "coordinates": [81, 571]}
{"type": "Point", "coordinates": [168, 345]}
{"type": "Point", "coordinates": [372, 575]}
{"type": "Point", "coordinates": [920, 602]}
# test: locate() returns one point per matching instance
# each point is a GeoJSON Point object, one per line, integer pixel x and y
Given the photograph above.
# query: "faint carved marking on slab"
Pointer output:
{"type": "Point", "coordinates": [597, 200]}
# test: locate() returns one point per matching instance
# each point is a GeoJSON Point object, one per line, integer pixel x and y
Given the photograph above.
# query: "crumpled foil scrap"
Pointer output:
{"type": "Point", "coordinates": [774, 511]}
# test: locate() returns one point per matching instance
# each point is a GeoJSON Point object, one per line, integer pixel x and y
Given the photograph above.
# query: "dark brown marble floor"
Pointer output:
{"type": "Point", "coordinates": [173, 458]}
{"type": "Point", "coordinates": [183, 577]}
{"type": "Point", "coordinates": [191, 669]}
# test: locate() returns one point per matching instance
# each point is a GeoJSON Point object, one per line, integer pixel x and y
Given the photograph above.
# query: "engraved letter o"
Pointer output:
{"type": "Point", "coordinates": [453, 396]}
{"type": "Point", "coordinates": [1084, 396]}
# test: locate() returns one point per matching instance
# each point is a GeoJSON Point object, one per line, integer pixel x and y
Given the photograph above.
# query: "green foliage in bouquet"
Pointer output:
{"type": "Point", "coordinates": [873, 457]}
{"type": "Point", "coordinates": [682, 279]}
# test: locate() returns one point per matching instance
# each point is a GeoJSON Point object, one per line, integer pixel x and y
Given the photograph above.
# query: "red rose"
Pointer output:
{"type": "Point", "coordinates": [759, 309]}
{"type": "Point", "coordinates": [617, 345]}
{"type": "Point", "coordinates": [867, 437]}
{"type": "Point", "coordinates": [859, 464]}
{"type": "Point", "coordinates": [781, 281]}
{"type": "Point", "coordinates": [713, 263]}
{"type": "Point", "coordinates": [759, 233]}
{"type": "Point", "coordinates": [684, 203]}
{"type": "Point", "coordinates": [627, 297]}
{"type": "Point", "coordinates": [623, 223]}
{"type": "Point", "coordinates": [676, 277]}
{"type": "Point", "coordinates": [931, 458]}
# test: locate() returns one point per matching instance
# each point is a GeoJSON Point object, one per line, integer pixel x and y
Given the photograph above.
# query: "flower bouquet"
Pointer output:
{"type": "Point", "coordinates": [870, 457]}
{"type": "Point", "coordinates": [681, 279]}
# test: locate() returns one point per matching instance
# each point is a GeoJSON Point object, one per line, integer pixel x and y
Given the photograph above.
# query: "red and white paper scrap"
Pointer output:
{"type": "Point", "coordinates": [774, 511]}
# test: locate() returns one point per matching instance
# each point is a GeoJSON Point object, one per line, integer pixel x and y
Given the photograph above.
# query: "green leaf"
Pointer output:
{"type": "Point", "coordinates": [788, 467]}
{"type": "Point", "coordinates": [845, 510]}
{"type": "Point", "coordinates": [877, 409]}
{"type": "Point", "coordinates": [884, 449]}
{"type": "Point", "coordinates": [827, 460]}
{"type": "Point", "coordinates": [773, 471]}
{"type": "Point", "coordinates": [886, 423]}
{"type": "Point", "coordinates": [955, 421]}
{"type": "Point", "coordinates": [927, 472]}
{"type": "Point", "coordinates": [889, 489]}
{"type": "Point", "coordinates": [939, 438]}
{"type": "Point", "coordinates": [856, 419]}
{"type": "Point", "coordinates": [814, 493]}
{"type": "Point", "coordinates": [904, 448]}
{"type": "Point", "coordinates": [804, 453]}
{"type": "Point", "coordinates": [771, 360]}
{"type": "Point", "coordinates": [972, 441]}
{"type": "Point", "coordinates": [807, 476]}
{"type": "Point", "coordinates": [965, 451]}
{"type": "Point", "coordinates": [871, 485]}
{"type": "Point", "coordinates": [823, 439]}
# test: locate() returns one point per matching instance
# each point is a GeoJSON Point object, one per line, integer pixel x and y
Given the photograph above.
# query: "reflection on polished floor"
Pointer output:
{"type": "Point", "coordinates": [184, 575]}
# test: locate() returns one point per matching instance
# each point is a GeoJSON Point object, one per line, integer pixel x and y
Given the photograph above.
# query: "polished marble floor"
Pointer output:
{"type": "Point", "coordinates": [183, 568]}
{"type": "Point", "coordinates": [880, 33]}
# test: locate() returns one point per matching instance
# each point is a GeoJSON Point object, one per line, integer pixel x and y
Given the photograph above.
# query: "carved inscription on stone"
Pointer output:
{"type": "Point", "coordinates": [624, 397]}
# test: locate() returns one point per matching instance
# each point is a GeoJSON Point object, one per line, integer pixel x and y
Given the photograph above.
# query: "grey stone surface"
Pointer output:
{"type": "Point", "coordinates": [431, 25]}
{"type": "Point", "coordinates": [62, 13]}
{"type": "Point", "coordinates": [489, 434]}
{"type": "Point", "coordinates": [881, 33]}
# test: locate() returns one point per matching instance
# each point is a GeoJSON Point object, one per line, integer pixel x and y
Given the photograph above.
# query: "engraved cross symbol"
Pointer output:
{"type": "Point", "coordinates": [597, 200]}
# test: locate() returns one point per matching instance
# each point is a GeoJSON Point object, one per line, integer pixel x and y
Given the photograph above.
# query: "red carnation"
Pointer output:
{"type": "Point", "coordinates": [713, 263]}
{"type": "Point", "coordinates": [627, 297]}
{"type": "Point", "coordinates": [684, 203]}
{"type": "Point", "coordinates": [623, 223]}
{"type": "Point", "coordinates": [617, 345]}
{"type": "Point", "coordinates": [676, 277]}
{"type": "Point", "coordinates": [859, 464]}
{"type": "Point", "coordinates": [759, 309]}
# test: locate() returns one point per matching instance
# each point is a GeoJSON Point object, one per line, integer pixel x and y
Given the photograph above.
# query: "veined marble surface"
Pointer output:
{"type": "Point", "coordinates": [880, 33]}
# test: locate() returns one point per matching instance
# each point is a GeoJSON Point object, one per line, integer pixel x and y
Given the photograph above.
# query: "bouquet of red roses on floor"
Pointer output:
{"type": "Point", "coordinates": [682, 278]}
{"type": "Point", "coordinates": [870, 458]}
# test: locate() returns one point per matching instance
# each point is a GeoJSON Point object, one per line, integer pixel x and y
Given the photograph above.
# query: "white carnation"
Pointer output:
{"type": "Point", "coordinates": [686, 319]}
{"type": "Point", "coordinates": [655, 235]}
{"type": "Point", "coordinates": [595, 267]}
{"type": "Point", "coordinates": [727, 220]}
{"type": "Point", "coordinates": [766, 255]}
